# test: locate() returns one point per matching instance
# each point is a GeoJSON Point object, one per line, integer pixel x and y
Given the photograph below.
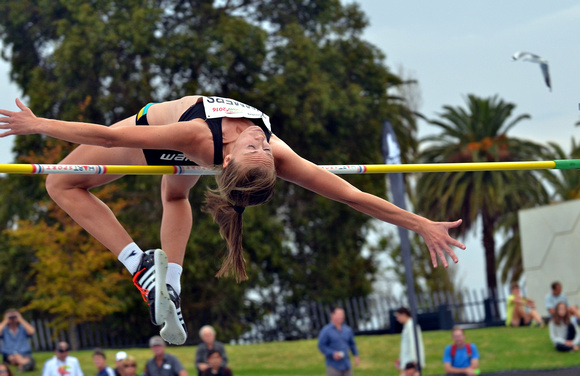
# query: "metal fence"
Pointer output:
{"type": "Point", "coordinates": [370, 315]}
{"type": "Point", "coordinates": [375, 315]}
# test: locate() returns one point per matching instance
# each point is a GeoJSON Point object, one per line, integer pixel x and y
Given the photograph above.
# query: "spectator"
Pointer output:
{"type": "Point", "coordinates": [100, 360]}
{"type": "Point", "coordinates": [334, 342]}
{"type": "Point", "coordinates": [5, 369]}
{"type": "Point", "coordinates": [129, 365]}
{"type": "Point", "coordinates": [62, 363]}
{"type": "Point", "coordinates": [411, 370]}
{"type": "Point", "coordinates": [408, 353]}
{"type": "Point", "coordinates": [162, 364]}
{"type": "Point", "coordinates": [557, 296]}
{"type": "Point", "coordinates": [207, 335]}
{"type": "Point", "coordinates": [216, 367]}
{"type": "Point", "coordinates": [16, 333]}
{"type": "Point", "coordinates": [119, 357]}
{"type": "Point", "coordinates": [563, 331]}
{"type": "Point", "coordinates": [461, 358]}
{"type": "Point", "coordinates": [516, 314]}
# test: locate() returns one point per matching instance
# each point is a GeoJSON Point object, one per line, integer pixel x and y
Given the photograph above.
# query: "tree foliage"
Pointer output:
{"type": "Point", "coordinates": [73, 278]}
{"type": "Point", "coordinates": [302, 62]}
{"type": "Point", "coordinates": [478, 133]}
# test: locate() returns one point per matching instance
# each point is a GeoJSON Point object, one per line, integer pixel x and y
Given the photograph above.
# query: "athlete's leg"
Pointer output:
{"type": "Point", "coordinates": [177, 218]}
{"type": "Point", "coordinates": [176, 226]}
{"type": "Point", "coordinates": [71, 192]}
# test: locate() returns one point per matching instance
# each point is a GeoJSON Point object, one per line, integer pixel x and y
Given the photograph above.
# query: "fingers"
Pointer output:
{"type": "Point", "coordinates": [6, 113]}
{"type": "Point", "coordinates": [21, 105]}
{"type": "Point", "coordinates": [433, 258]}
{"type": "Point", "coordinates": [7, 133]}
{"type": "Point", "coordinates": [450, 252]}
{"type": "Point", "coordinates": [455, 224]}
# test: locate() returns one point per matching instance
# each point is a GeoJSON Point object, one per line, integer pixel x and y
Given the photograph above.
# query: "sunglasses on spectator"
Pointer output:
{"type": "Point", "coordinates": [130, 365]}
{"type": "Point", "coordinates": [62, 350]}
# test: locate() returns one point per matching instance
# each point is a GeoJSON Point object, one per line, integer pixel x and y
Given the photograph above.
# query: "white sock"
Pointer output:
{"type": "Point", "coordinates": [130, 256]}
{"type": "Point", "coordinates": [173, 277]}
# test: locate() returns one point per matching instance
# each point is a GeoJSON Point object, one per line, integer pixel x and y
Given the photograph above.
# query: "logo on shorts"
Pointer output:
{"type": "Point", "coordinates": [174, 157]}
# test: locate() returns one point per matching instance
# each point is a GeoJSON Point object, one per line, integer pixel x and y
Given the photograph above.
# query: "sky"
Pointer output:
{"type": "Point", "coordinates": [455, 48]}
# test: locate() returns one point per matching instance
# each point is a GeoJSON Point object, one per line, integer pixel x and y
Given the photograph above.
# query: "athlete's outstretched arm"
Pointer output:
{"type": "Point", "coordinates": [291, 167]}
{"type": "Point", "coordinates": [171, 136]}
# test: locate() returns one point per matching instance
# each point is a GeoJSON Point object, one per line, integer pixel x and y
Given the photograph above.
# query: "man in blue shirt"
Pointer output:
{"type": "Point", "coordinates": [461, 358]}
{"type": "Point", "coordinates": [334, 341]}
{"type": "Point", "coordinates": [15, 333]}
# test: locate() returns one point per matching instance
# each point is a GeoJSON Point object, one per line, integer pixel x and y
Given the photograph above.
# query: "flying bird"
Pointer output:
{"type": "Point", "coordinates": [533, 58]}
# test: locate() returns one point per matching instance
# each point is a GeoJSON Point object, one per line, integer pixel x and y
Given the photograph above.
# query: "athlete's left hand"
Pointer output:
{"type": "Point", "coordinates": [437, 239]}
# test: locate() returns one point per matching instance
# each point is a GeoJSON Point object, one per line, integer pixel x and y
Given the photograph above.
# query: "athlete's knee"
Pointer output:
{"type": "Point", "coordinates": [176, 189]}
{"type": "Point", "coordinates": [57, 185]}
{"type": "Point", "coordinates": [53, 186]}
{"type": "Point", "coordinates": [173, 195]}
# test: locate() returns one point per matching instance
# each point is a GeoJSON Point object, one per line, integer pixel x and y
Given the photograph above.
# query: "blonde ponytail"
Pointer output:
{"type": "Point", "coordinates": [237, 189]}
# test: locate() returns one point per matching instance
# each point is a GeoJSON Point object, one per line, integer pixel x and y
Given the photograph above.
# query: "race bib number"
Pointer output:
{"type": "Point", "coordinates": [217, 107]}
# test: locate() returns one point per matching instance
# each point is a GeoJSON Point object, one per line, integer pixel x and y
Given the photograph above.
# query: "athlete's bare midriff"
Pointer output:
{"type": "Point", "coordinates": [170, 112]}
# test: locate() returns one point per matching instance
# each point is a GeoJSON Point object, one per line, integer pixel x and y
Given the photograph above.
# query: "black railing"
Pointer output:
{"type": "Point", "coordinates": [370, 315]}
{"type": "Point", "coordinates": [375, 315]}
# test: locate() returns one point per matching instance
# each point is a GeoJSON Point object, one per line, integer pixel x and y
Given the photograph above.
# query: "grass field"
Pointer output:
{"type": "Point", "coordinates": [500, 348]}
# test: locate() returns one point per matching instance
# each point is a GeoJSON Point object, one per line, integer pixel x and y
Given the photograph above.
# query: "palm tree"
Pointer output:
{"type": "Point", "coordinates": [565, 183]}
{"type": "Point", "coordinates": [478, 133]}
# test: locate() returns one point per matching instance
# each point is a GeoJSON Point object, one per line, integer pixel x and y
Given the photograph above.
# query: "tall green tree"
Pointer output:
{"type": "Point", "coordinates": [479, 133]}
{"type": "Point", "coordinates": [302, 62]}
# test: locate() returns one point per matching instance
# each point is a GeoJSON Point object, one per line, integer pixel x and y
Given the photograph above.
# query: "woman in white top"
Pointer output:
{"type": "Point", "coordinates": [408, 353]}
{"type": "Point", "coordinates": [564, 331]}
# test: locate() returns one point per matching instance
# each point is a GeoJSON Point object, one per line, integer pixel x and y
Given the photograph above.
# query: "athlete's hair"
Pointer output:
{"type": "Point", "coordinates": [238, 187]}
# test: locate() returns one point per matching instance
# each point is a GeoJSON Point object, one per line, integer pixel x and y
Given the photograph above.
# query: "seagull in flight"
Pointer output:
{"type": "Point", "coordinates": [533, 58]}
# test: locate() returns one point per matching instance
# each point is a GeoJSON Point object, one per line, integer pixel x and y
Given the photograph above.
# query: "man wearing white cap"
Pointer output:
{"type": "Point", "coordinates": [119, 363]}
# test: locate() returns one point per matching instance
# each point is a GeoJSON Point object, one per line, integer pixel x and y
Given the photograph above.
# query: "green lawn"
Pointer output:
{"type": "Point", "coordinates": [500, 348]}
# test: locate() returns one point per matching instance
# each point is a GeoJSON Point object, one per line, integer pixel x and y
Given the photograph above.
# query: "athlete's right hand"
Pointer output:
{"type": "Point", "coordinates": [19, 123]}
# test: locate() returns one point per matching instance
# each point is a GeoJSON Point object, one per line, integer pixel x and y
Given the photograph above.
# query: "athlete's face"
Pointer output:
{"type": "Point", "coordinates": [251, 148]}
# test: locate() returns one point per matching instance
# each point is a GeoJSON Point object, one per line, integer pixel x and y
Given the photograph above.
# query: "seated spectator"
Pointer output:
{"type": "Point", "coordinates": [461, 358]}
{"type": "Point", "coordinates": [563, 331]}
{"type": "Point", "coordinates": [5, 369]}
{"type": "Point", "coordinates": [557, 296]}
{"type": "Point", "coordinates": [119, 357]}
{"type": "Point", "coordinates": [516, 314]}
{"type": "Point", "coordinates": [16, 333]}
{"type": "Point", "coordinates": [214, 359]}
{"type": "Point", "coordinates": [100, 360]}
{"type": "Point", "coordinates": [62, 363]}
{"type": "Point", "coordinates": [408, 352]}
{"type": "Point", "coordinates": [129, 365]}
{"type": "Point", "coordinates": [411, 370]}
{"type": "Point", "coordinates": [207, 335]}
{"type": "Point", "coordinates": [162, 364]}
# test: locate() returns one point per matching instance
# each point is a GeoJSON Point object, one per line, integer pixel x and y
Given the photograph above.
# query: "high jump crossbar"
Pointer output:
{"type": "Point", "coordinates": [563, 164]}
